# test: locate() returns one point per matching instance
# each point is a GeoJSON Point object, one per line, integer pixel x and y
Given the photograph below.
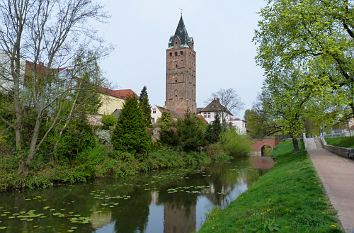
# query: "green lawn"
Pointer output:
{"type": "Point", "coordinates": [341, 141]}
{"type": "Point", "coordinates": [289, 198]}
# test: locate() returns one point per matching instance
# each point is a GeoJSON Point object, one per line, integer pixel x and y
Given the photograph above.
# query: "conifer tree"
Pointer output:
{"type": "Point", "coordinates": [130, 133]}
{"type": "Point", "coordinates": [214, 130]}
{"type": "Point", "coordinates": [145, 106]}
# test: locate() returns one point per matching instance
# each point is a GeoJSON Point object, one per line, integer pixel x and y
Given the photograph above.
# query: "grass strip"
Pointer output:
{"type": "Point", "coordinates": [289, 198]}
{"type": "Point", "coordinates": [347, 142]}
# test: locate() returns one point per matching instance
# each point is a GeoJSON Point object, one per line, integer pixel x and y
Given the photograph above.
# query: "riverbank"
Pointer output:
{"type": "Point", "coordinates": [289, 198]}
{"type": "Point", "coordinates": [98, 163]}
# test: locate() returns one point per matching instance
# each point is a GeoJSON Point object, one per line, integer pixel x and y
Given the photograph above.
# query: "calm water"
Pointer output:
{"type": "Point", "coordinates": [166, 202]}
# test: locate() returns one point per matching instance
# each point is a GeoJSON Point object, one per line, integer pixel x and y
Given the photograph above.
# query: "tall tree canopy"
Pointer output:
{"type": "Point", "coordinates": [130, 133]}
{"type": "Point", "coordinates": [145, 106]}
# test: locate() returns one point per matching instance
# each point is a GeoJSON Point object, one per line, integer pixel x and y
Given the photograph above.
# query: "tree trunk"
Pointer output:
{"type": "Point", "coordinates": [16, 67]}
{"type": "Point", "coordinates": [295, 144]}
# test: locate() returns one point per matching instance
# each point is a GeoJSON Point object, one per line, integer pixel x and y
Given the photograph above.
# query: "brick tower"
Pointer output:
{"type": "Point", "coordinates": [180, 72]}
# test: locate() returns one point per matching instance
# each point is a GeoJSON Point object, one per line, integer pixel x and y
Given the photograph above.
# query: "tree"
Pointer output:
{"type": "Point", "coordinates": [145, 106]}
{"type": "Point", "coordinates": [313, 36]}
{"type": "Point", "coordinates": [213, 130]}
{"type": "Point", "coordinates": [130, 134]}
{"type": "Point", "coordinates": [191, 132]}
{"type": "Point", "coordinates": [48, 35]}
{"type": "Point", "coordinates": [257, 123]}
{"type": "Point", "coordinates": [168, 130]}
{"type": "Point", "coordinates": [229, 99]}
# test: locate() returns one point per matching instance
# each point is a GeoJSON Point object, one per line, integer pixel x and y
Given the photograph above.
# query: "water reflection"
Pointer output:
{"type": "Point", "coordinates": [167, 202]}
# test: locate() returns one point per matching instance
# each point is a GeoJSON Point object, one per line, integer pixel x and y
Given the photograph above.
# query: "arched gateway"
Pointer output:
{"type": "Point", "coordinates": [259, 145]}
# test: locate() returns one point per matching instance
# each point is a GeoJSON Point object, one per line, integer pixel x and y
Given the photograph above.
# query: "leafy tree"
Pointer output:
{"type": "Point", "coordinates": [42, 31]}
{"type": "Point", "coordinates": [130, 134]}
{"type": "Point", "coordinates": [145, 106]}
{"type": "Point", "coordinates": [312, 36]}
{"type": "Point", "coordinates": [168, 130]}
{"type": "Point", "coordinates": [191, 132]}
{"type": "Point", "coordinates": [213, 130]}
{"type": "Point", "coordinates": [77, 137]}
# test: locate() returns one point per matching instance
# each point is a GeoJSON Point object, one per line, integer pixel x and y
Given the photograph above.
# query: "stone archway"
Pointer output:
{"type": "Point", "coordinates": [265, 150]}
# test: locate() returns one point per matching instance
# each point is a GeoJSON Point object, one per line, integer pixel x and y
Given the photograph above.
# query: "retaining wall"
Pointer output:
{"type": "Point", "coordinates": [342, 151]}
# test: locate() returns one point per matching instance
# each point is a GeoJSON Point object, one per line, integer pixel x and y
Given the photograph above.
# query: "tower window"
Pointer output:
{"type": "Point", "coordinates": [176, 54]}
{"type": "Point", "coordinates": [171, 54]}
{"type": "Point", "coordinates": [181, 52]}
{"type": "Point", "coordinates": [176, 66]}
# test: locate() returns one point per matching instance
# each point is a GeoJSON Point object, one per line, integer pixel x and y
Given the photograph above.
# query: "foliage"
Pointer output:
{"type": "Point", "coordinates": [305, 49]}
{"type": "Point", "coordinates": [108, 121]}
{"type": "Point", "coordinates": [347, 142]}
{"type": "Point", "coordinates": [235, 144]}
{"type": "Point", "coordinates": [130, 134]}
{"type": "Point", "coordinates": [104, 136]}
{"type": "Point", "coordinates": [214, 129]}
{"type": "Point", "coordinates": [292, 197]}
{"type": "Point", "coordinates": [259, 123]}
{"type": "Point", "coordinates": [191, 132]}
{"type": "Point", "coordinates": [77, 137]}
{"type": "Point", "coordinates": [145, 106]}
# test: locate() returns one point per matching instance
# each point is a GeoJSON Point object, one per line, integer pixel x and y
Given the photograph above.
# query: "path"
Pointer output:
{"type": "Point", "coordinates": [337, 176]}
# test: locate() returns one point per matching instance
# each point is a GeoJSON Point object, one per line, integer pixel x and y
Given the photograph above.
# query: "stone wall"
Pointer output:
{"type": "Point", "coordinates": [341, 151]}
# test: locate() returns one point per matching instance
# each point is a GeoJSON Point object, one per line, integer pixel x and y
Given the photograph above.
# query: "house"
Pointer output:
{"type": "Point", "coordinates": [239, 124]}
{"type": "Point", "coordinates": [215, 107]}
{"type": "Point", "coordinates": [113, 100]}
{"type": "Point", "coordinates": [156, 113]}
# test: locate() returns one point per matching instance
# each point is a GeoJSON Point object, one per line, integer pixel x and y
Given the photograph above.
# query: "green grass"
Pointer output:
{"type": "Point", "coordinates": [289, 198]}
{"type": "Point", "coordinates": [347, 142]}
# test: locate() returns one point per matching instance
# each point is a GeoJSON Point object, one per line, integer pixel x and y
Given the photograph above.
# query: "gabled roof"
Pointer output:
{"type": "Point", "coordinates": [216, 106]}
{"type": "Point", "coordinates": [199, 110]}
{"type": "Point", "coordinates": [173, 114]}
{"type": "Point", "coordinates": [182, 34]}
{"type": "Point", "coordinates": [121, 94]}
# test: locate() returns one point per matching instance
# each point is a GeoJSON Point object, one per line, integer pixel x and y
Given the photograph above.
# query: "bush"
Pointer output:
{"type": "Point", "coordinates": [108, 121]}
{"type": "Point", "coordinates": [215, 149]}
{"type": "Point", "coordinates": [235, 144]}
{"type": "Point", "coordinates": [130, 134]}
{"type": "Point", "coordinates": [191, 132]}
{"type": "Point", "coordinates": [77, 137]}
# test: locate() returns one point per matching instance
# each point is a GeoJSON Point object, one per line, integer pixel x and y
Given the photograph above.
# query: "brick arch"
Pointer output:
{"type": "Point", "coordinates": [258, 144]}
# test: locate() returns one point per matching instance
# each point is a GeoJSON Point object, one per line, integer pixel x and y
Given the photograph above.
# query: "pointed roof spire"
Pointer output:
{"type": "Point", "coordinates": [181, 33]}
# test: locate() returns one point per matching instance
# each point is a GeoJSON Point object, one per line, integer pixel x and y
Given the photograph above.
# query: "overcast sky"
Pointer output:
{"type": "Point", "coordinates": [139, 31]}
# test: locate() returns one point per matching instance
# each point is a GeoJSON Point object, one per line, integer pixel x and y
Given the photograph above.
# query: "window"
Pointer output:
{"type": "Point", "coordinates": [208, 116]}
{"type": "Point", "coordinates": [170, 54]}
{"type": "Point", "coordinates": [181, 52]}
{"type": "Point", "coordinates": [176, 54]}
{"type": "Point", "coordinates": [154, 110]}
{"type": "Point", "coordinates": [176, 66]}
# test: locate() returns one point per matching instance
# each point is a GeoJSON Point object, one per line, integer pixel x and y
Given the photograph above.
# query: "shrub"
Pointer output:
{"type": "Point", "coordinates": [191, 132]}
{"type": "Point", "coordinates": [76, 138]}
{"type": "Point", "coordinates": [235, 144]}
{"type": "Point", "coordinates": [130, 134]}
{"type": "Point", "coordinates": [108, 121]}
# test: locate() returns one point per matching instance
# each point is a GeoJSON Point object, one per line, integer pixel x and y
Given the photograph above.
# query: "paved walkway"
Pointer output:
{"type": "Point", "coordinates": [337, 176]}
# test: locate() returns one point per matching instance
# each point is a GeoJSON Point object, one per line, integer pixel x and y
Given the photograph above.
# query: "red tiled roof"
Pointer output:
{"type": "Point", "coordinates": [121, 94]}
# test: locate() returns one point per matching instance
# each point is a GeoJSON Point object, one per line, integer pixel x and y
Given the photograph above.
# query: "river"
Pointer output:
{"type": "Point", "coordinates": [176, 201]}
